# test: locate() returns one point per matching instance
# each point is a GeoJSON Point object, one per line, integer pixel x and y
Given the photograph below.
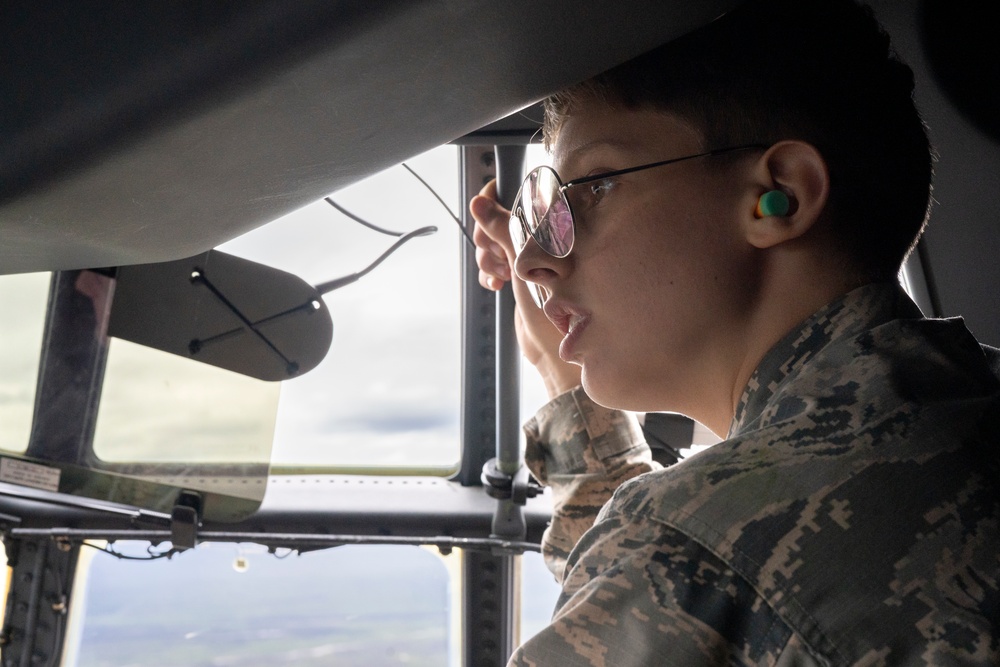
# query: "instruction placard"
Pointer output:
{"type": "Point", "coordinates": [26, 473]}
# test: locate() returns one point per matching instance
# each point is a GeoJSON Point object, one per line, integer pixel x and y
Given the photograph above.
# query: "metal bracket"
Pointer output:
{"type": "Point", "coordinates": [517, 488]}
{"type": "Point", "coordinates": [185, 519]}
{"type": "Point", "coordinates": [512, 493]}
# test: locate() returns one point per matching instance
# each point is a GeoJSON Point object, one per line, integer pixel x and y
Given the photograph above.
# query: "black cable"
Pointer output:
{"type": "Point", "coordinates": [359, 219]}
{"type": "Point", "coordinates": [337, 283]}
{"type": "Point", "coordinates": [109, 550]}
{"type": "Point", "coordinates": [454, 217]}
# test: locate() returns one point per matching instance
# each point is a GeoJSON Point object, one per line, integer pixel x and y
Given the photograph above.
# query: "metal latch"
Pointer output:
{"type": "Point", "coordinates": [185, 519]}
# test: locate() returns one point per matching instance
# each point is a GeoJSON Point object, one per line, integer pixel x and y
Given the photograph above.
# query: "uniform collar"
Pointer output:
{"type": "Point", "coordinates": [857, 311]}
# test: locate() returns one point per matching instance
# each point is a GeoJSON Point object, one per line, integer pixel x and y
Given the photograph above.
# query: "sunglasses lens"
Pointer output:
{"type": "Point", "coordinates": [517, 235]}
{"type": "Point", "coordinates": [516, 227]}
{"type": "Point", "coordinates": [546, 212]}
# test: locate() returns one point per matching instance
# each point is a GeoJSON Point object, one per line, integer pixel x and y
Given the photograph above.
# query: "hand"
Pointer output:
{"type": "Point", "coordinates": [538, 338]}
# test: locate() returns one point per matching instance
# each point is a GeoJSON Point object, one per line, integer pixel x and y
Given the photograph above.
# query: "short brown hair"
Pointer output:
{"type": "Point", "coordinates": [821, 71]}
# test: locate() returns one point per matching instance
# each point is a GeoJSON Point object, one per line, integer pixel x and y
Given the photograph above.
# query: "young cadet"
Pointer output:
{"type": "Point", "coordinates": [720, 236]}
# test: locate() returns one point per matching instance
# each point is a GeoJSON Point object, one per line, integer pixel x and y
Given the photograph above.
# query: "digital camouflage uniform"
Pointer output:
{"type": "Point", "coordinates": [851, 518]}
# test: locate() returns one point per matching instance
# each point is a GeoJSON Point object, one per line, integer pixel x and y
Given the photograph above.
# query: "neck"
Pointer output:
{"type": "Point", "coordinates": [788, 295]}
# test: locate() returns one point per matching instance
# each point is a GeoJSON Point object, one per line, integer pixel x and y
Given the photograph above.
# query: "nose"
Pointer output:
{"type": "Point", "coordinates": [534, 265]}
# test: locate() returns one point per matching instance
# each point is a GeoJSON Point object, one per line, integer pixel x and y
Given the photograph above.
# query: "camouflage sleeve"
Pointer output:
{"type": "Point", "coordinates": [582, 452]}
{"type": "Point", "coordinates": [639, 593]}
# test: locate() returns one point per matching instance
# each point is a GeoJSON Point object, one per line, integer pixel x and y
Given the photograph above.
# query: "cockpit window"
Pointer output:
{"type": "Point", "coordinates": [157, 407]}
{"type": "Point", "coordinates": [237, 604]}
{"type": "Point", "coordinates": [22, 302]}
{"type": "Point", "coordinates": [388, 392]}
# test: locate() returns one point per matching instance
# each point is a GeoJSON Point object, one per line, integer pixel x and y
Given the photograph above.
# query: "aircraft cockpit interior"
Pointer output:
{"type": "Point", "coordinates": [255, 407]}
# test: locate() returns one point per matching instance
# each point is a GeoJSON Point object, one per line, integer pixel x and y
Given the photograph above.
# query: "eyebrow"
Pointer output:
{"type": "Point", "coordinates": [578, 153]}
{"type": "Point", "coordinates": [594, 144]}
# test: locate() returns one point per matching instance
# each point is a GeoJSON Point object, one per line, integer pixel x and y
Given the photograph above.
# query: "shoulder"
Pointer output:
{"type": "Point", "coordinates": [864, 503]}
{"type": "Point", "coordinates": [641, 592]}
{"type": "Point", "coordinates": [896, 557]}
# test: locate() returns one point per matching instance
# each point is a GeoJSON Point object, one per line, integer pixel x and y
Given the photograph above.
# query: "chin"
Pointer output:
{"type": "Point", "coordinates": [617, 392]}
{"type": "Point", "coordinates": [623, 391]}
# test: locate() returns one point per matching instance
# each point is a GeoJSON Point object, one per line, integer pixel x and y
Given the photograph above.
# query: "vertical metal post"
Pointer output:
{"type": "Point", "coordinates": [37, 603]}
{"type": "Point", "coordinates": [478, 167]}
{"type": "Point", "coordinates": [509, 518]}
{"type": "Point", "coordinates": [489, 605]}
{"type": "Point", "coordinates": [71, 371]}
{"type": "Point", "coordinates": [491, 427]}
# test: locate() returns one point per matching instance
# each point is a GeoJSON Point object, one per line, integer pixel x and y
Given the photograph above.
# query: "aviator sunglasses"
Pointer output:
{"type": "Point", "coordinates": [542, 210]}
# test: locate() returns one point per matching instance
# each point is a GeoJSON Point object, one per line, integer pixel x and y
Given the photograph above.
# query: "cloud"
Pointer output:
{"type": "Point", "coordinates": [380, 422]}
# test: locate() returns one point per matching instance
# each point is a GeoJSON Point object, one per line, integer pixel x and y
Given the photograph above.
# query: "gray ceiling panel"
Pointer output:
{"type": "Point", "coordinates": [154, 132]}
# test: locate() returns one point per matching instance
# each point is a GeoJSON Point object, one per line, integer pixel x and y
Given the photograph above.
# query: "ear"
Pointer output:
{"type": "Point", "coordinates": [798, 170]}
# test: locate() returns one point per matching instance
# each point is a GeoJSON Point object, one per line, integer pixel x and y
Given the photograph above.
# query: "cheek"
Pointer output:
{"type": "Point", "coordinates": [629, 372]}
{"type": "Point", "coordinates": [674, 279]}
{"type": "Point", "coordinates": [663, 252]}
{"type": "Point", "coordinates": [666, 251]}
{"type": "Point", "coordinates": [631, 271]}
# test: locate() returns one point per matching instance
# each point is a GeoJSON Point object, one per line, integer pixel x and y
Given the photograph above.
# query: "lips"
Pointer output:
{"type": "Point", "coordinates": [571, 322]}
{"type": "Point", "coordinates": [574, 321]}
